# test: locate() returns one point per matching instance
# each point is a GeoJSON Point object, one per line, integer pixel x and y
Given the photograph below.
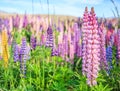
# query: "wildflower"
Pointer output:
{"type": "Point", "coordinates": [84, 40]}
{"type": "Point", "coordinates": [16, 53]}
{"type": "Point", "coordinates": [118, 45]}
{"type": "Point", "coordinates": [0, 46]}
{"type": "Point", "coordinates": [24, 53]}
{"type": "Point", "coordinates": [16, 21]}
{"type": "Point", "coordinates": [25, 21]}
{"type": "Point", "coordinates": [5, 48]}
{"type": "Point", "coordinates": [33, 42]}
{"type": "Point", "coordinates": [91, 46]}
{"type": "Point", "coordinates": [93, 56]}
{"type": "Point", "coordinates": [109, 58]}
{"type": "Point", "coordinates": [103, 61]}
{"type": "Point", "coordinates": [49, 41]}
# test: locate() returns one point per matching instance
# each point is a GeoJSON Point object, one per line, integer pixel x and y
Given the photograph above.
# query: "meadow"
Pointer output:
{"type": "Point", "coordinates": [59, 53]}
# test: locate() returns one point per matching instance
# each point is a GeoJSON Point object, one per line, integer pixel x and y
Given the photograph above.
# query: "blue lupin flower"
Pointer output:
{"type": "Point", "coordinates": [109, 57]}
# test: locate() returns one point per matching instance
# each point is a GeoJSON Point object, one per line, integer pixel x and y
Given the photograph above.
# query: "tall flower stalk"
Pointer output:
{"type": "Point", "coordinates": [49, 41]}
{"type": "Point", "coordinates": [92, 49]}
{"type": "Point", "coordinates": [33, 42]}
{"type": "Point", "coordinates": [16, 52]}
{"type": "Point", "coordinates": [84, 41]}
{"type": "Point", "coordinates": [5, 48]}
{"type": "Point", "coordinates": [103, 61]}
{"type": "Point", "coordinates": [118, 45]}
{"type": "Point", "coordinates": [0, 45]}
{"type": "Point", "coordinates": [109, 57]}
{"type": "Point", "coordinates": [24, 52]}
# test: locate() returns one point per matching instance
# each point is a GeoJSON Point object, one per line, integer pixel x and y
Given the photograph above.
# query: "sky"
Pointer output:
{"type": "Point", "coordinates": [103, 8]}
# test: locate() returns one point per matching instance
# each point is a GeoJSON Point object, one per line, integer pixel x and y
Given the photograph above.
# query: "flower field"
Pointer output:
{"type": "Point", "coordinates": [43, 54]}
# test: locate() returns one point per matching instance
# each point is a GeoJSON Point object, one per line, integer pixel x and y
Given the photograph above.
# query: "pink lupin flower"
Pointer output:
{"type": "Point", "coordinates": [65, 45]}
{"type": "Point", "coordinates": [84, 40]}
{"type": "Point", "coordinates": [94, 57]}
{"type": "Point", "coordinates": [90, 57]}
{"type": "Point", "coordinates": [71, 54]}
{"type": "Point", "coordinates": [118, 45]}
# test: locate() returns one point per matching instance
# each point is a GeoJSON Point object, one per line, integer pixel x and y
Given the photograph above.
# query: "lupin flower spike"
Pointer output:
{"type": "Point", "coordinates": [33, 42]}
{"type": "Point", "coordinates": [49, 41]}
{"type": "Point", "coordinates": [5, 48]}
{"type": "Point", "coordinates": [103, 61]}
{"type": "Point", "coordinates": [92, 49]}
{"type": "Point", "coordinates": [24, 53]}
{"type": "Point", "coordinates": [16, 52]}
{"type": "Point", "coordinates": [84, 41]}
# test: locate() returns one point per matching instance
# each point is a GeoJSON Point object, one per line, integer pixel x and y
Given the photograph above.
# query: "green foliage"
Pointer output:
{"type": "Point", "coordinates": [101, 87]}
{"type": "Point", "coordinates": [46, 73]}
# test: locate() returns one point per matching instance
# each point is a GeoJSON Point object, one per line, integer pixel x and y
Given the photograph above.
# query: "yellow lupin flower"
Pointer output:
{"type": "Point", "coordinates": [5, 48]}
{"type": "Point", "coordinates": [0, 45]}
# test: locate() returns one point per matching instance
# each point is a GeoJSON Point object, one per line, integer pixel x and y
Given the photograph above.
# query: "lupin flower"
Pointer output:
{"type": "Point", "coordinates": [6, 24]}
{"type": "Point", "coordinates": [25, 21]}
{"type": "Point", "coordinates": [92, 50]}
{"type": "Point", "coordinates": [103, 61]}
{"type": "Point", "coordinates": [109, 57]}
{"type": "Point", "coordinates": [65, 46]}
{"type": "Point", "coordinates": [118, 45]}
{"type": "Point", "coordinates": [54, 52]}
{"type": "Point", "coordinates": [23, 56]}
{"type": "Point", "coordinates": [0, 24]}
{"type": "Point", "coordinates": [33, 42]}
{"type": "Point", "coordinates": [49, 41]}
{"type": "Point", "coordinates": [84, 41]}
{"type": "Point", "coordinates": [77, 43]}
{"type": "Point", "coordinates": [16, 21]}
{"type": "Point", "coordinates": [5, 47]}
{"type": "Point", "coordinates": [76, 31]}
{"type": "Point", "coordinates": [71, 53]}
{"type": "Point", "coordinates": [60, 41]}
{"type": "Point", "coordinates": [72, 50]}
{"type": "Point", "coordinates": [0, 45]}
{"type": "Point", "coordinates": [16, 53]}
{"type": "Point", "coordinates": [109, 53]}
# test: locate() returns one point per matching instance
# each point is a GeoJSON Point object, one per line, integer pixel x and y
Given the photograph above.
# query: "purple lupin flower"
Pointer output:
{"type": "Point", "coordinates": [6, 24]}
{"type": "Point", "coordinates": [65, 45]}
{"type": "Point", "coordinates": [1, 24]}
{"type": "Point", "coordinates": [76, 31]}
{"type": "Point", "coordinates": [23, 56]}
{"type": "Point", "coordinates": [16, 53]}
{"type": "Point", "coordinates": [16, 21]}
{"type": "Point", "coordinates": [54, 52]}
{"type": "Point", "coordinates": [33, 42]}
{"type": "Point", "coordinates": [103, 61]}
{"type": "Point", "coordinates": [25, 21]}
{"type": "Point", "coordinates": [77, 40]}
{"type": "Point", "coordinates": [49, 41]}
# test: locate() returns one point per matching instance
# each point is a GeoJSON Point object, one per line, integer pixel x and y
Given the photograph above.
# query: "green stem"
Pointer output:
{"type": "Point", "coordinates": [43, 80]}
{"type": "Point", "coordinates": [54, 64]}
